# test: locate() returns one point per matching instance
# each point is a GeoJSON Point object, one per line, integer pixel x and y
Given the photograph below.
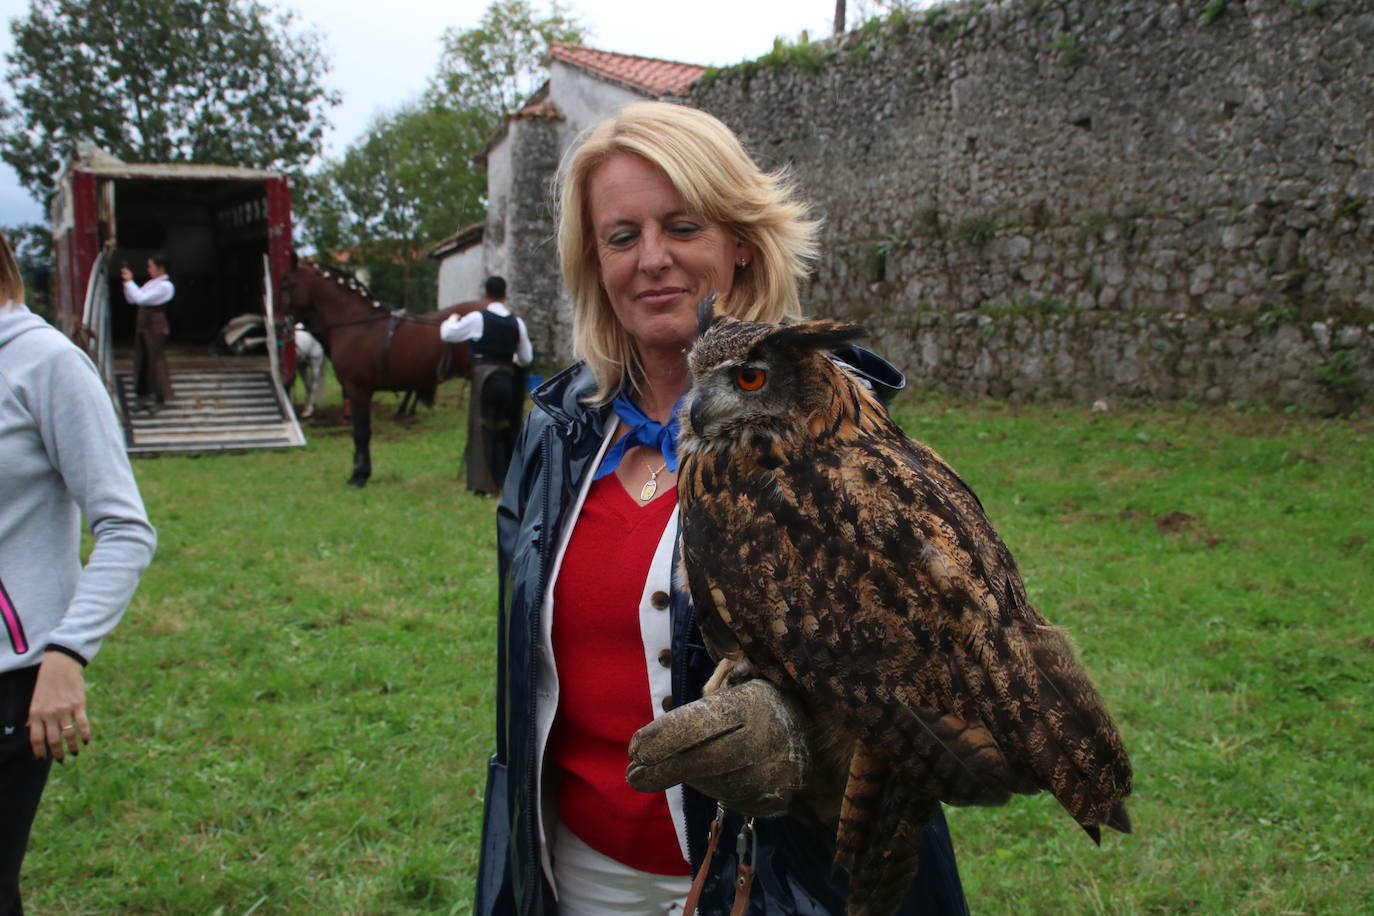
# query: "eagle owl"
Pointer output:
{"type": "Point", "coordinates": [850, 565]}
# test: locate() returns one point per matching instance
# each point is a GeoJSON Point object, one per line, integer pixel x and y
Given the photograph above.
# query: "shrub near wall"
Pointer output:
{"type": "Point", "coordinates": [1090, 199]}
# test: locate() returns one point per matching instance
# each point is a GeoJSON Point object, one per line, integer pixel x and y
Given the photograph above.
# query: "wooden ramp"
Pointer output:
{"type": "Point", "coordinates": [213, 410]}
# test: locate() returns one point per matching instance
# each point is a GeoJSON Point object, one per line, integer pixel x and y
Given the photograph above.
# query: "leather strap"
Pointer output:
{"type": "Point", "coordinates": [744, 883]}
{"type": "Point", "coordinates": [746, 850]}
{"type": "Point", "coordinates": [386, 341]}
{"type": "Point", "coordinates": [694, 895]}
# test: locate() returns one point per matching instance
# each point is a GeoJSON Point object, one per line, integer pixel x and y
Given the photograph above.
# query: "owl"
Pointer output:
{"type": "Point", "coordinates": [850, 565]}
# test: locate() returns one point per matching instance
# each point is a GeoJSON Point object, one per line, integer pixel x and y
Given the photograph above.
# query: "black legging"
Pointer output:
{"type": "Point", "coordinates": [22, 777]}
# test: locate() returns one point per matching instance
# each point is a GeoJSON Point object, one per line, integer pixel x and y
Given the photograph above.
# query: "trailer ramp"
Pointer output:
{"type": "Point", "coordinates": [214, 407]}
{"type": "Point", "coordinates": [212, 410]}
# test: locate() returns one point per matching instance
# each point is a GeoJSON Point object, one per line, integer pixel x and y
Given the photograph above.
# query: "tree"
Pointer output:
{"type": "Point", "coordinates": [411, 179]}
{"type": "Point", "coordinates": [407, 183]}
{"type": "Point", "coordinates": [497, 65]}
{"type": "Point", "coordinates": [226, 82]}
{"type": "Point", "coordinates": [32, 246]}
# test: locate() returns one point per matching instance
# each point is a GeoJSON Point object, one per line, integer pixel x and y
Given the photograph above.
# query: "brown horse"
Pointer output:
{"type": "Point", "coordinates": [372, 348]}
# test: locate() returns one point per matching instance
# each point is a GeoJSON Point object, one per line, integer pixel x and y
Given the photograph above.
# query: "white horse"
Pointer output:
{"type": "Point", "coordinates": [310, 360]}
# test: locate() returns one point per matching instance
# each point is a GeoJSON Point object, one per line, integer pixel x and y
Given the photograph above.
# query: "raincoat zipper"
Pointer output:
{"type": "Point", "coordinates": [545, 555]}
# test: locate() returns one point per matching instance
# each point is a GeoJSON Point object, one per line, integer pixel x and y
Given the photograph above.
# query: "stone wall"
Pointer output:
{"type": "Point", "coordinates": [530, 260]}
{"type": "Point", "coordinates": [1090, 199]}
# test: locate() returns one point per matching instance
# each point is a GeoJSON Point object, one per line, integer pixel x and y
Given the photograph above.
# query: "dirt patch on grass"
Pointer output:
{"type": "Point", "coordinates": [329, 422]}
{"type": "Point", "coordinates": [326, 416]}
{"type": "Point", "coordinates": [1175, 522]}
{"type": "Point", "coordinates": [1187, 525]}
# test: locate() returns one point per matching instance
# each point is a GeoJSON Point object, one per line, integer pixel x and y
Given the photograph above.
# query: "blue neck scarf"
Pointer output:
{"type": "Point", "coordinates": [643, 431]}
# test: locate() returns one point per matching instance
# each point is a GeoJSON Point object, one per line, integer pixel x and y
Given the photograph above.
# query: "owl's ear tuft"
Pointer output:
{"type": "Point", "coordinates": [706, 313]}
{"type": "Point", "coordinates": [822, 334]}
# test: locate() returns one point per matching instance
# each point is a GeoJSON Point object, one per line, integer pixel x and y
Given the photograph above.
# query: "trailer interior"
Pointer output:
{"type": "Point", "coordinates": [214, 235]}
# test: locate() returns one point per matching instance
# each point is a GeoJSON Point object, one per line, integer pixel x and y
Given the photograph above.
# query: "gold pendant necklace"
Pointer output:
{"type": "Point", "coordinates": [650, 487]}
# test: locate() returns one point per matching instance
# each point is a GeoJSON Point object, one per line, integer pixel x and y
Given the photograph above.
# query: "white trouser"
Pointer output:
{"type": "Point", "coordinates": [591, 884]}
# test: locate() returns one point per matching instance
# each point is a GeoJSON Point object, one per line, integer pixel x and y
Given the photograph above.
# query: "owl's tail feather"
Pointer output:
{"type": "Point", "coordinates": [863, 794]}
{"type": "Point", "coordinates": [883, 871]}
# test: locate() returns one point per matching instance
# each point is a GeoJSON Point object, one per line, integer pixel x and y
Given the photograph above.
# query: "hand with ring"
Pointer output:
{"type": "Point", "coordinates": [57, 713]}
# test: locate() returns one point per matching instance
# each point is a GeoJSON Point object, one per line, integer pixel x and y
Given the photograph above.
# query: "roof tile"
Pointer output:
{"type": "Point", "coordinates": [647, 74]}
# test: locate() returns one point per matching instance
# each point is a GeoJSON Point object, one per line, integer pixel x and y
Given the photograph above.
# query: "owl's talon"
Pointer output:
{"type": "Point", "coordinates": [741, 672]}
{"type": "Point", "coordinates": [718, 677]}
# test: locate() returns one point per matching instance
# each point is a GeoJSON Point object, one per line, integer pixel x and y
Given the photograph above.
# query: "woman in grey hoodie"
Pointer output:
{"type": "Point", "coordinates": [61, 456]}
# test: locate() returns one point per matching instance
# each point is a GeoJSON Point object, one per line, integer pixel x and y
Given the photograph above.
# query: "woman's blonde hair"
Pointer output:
{"type": "Point", "coordinates": [11, 280]}
{"type": "Point", "coordinates": [715, 176]}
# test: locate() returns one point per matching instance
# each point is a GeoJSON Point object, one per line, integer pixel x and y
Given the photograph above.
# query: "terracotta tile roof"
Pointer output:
{"type": "Point", "coordinates": [648, 75]}
{"type": "Point", "coordinates": [462, 239]}
{"type": "Point", "coordinates": [537, 111]}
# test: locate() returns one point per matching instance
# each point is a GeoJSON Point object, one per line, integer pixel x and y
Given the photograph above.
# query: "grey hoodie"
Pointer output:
{"type": "Point", "coordinates": [61, 456]}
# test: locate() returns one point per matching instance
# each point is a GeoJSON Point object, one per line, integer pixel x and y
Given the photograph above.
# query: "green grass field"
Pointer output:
{"type": "Point", "coordinates": [294, 716]}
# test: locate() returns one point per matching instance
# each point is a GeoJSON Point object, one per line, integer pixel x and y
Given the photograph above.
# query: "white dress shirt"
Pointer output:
{"type": "Point", "coordinates": [157, 291]}
{"type": "Point", "coordinates": [462, 328]}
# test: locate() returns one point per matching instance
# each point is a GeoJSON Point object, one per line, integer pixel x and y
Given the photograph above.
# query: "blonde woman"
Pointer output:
{"type": "Point", "coordinates": [660, 206]}
{"type": "Point", "coordinates": [62, 451]}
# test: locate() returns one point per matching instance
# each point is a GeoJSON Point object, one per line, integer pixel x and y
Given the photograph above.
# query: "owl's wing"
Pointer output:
{"type": "Point", "coordinates": [1006, 666]}
{"type": "Point", "coordinates": [859, 570]}
{"type": "Point", "coordinates": [715, 631]}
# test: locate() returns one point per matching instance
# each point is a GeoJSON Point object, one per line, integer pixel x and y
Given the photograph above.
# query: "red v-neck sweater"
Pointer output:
{"type": "Point", "coordinates": [603, 682]}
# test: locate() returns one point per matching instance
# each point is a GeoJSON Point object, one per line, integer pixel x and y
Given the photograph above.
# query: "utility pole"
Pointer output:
{"type": "Point", "coordinates": [839, 17]}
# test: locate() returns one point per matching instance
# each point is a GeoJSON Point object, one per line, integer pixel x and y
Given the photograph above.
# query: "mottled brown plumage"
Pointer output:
{"type": "Point", "coordinates": [851, 565]}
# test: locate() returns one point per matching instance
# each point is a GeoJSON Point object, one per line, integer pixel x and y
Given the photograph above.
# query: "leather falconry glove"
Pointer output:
{"type": "Point", "coordinates": [743, 745]}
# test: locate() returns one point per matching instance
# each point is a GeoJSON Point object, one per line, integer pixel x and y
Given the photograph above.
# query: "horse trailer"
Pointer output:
{"type": "Point", "coordinates": [227, 235]}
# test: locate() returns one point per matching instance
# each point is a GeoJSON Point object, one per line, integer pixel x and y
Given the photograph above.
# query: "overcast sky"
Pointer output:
{"type": "Point", "coordinates": [383, 53]}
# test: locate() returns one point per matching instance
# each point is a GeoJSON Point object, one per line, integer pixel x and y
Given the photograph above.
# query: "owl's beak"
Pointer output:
{"type": "Point", "coordinates": [695, 411]}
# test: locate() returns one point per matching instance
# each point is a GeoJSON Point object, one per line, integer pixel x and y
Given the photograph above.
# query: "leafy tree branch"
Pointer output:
{"type": "Point", "coordinates": [229, 82]}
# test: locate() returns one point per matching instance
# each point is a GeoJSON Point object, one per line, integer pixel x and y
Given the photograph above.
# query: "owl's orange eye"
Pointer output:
{"type": "Point", "coordinates": [749, 378]}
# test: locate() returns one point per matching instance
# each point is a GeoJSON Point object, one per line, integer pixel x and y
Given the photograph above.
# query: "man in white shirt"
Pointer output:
{"type": "Point", "coordinates": [499, 342]}
{"type": "Point", "coordinates": [152, 382]}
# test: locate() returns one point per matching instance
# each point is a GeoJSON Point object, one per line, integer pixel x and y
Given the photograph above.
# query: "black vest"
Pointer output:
{"type": "Point", "coordinates": [500, 337]}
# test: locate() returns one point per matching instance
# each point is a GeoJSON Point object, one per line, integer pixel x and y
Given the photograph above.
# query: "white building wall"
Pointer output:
{"type": "Point", "coordinates": [461, 277]}
{"type": "Point", "coordinates": [499, 184]}
{"type": "Point", "coordinates": [583, 100]}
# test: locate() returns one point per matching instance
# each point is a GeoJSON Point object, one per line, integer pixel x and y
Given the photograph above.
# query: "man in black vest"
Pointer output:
{"type": "Point", "coordinates": [499, 342]}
